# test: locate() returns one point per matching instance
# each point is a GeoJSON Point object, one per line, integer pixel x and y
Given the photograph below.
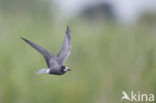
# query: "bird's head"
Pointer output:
{"type": "Point", "coordinates": [65, 69]}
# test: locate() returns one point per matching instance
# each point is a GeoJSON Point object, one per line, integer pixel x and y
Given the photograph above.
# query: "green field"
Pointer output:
{"type": "Point", "coordinates": [105, 60]}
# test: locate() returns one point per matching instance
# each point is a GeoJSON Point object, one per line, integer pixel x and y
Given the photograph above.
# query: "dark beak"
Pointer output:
{"type": "Point", "coordinates": [69, 69]}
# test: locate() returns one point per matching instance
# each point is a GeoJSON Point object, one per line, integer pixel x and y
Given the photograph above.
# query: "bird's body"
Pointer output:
{"type": "Point", "coordinates": [55, 63]}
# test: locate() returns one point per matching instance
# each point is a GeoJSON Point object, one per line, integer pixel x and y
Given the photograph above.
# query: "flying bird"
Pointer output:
{"type": "Point", "coordinates": [55, 64]}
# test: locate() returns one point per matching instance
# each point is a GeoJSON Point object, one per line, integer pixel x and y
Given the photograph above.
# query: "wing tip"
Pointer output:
{"type": "Point", "coordinates": [23, 39]}
{"type": "Point", "coordinates": [27, 41]}
{"type": "Point", "coordinates": [68, 30]}
{"type": "Point", "coordinates": [67, 26]}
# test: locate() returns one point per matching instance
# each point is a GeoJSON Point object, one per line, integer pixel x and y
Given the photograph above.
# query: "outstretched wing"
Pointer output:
{"type": "Point", "coordinates": [49, 57]}
{"type": "Point", "coordinates": [66, 47]}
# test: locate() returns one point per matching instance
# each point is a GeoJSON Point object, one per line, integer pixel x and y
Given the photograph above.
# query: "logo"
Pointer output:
{"type": "Point", "coordinates": [138, 96]}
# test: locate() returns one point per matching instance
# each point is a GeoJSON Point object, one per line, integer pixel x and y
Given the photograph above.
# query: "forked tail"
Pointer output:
{"type": "Point", "coordinates": [43, 71]}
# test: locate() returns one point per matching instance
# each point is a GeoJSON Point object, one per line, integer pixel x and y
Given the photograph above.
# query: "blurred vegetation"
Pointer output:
{"type": "Point", "coordinates": [105, 59]}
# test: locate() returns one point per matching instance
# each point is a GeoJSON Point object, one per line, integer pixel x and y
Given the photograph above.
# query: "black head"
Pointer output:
{"type": "Point", "coordinates": [65, 69]}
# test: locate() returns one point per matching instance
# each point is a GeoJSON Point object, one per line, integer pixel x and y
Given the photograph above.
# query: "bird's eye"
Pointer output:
{"type": "Point", "coordinates": [65, 69]}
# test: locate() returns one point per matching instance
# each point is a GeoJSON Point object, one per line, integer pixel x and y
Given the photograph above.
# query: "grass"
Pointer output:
{"type": "Point", "coordinates": [105, 60]}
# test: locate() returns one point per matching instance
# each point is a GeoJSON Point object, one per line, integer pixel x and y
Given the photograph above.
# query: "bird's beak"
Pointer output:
{"type": "Point", "coordinates": [69, 69]}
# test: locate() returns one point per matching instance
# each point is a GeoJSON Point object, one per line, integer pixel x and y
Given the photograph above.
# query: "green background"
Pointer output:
{"type": "Point", "coordinates": [106, 58]}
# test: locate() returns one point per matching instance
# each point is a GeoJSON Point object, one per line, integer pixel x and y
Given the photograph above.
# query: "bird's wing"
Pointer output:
{"type": "Point", "coordinates": [49, 57]}
{"type": "Point", "coordinates": [66, 47]}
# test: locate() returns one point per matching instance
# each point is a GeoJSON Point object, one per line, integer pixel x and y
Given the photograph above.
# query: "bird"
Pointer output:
{"type": "Point", "coordinates": [55, 64]}
{"type": "Point", "coordinates": [125, 96]}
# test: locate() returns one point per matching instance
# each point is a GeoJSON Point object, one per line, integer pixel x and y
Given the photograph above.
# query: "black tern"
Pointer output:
{"type": "Point", "coordinates": [55, 64]}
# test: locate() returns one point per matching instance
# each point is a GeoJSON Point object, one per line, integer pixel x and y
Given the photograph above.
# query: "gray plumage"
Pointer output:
{"type": "Point", "coordinates": [65, 50]}
{"type": "Point", "coordinates": [55, 63]}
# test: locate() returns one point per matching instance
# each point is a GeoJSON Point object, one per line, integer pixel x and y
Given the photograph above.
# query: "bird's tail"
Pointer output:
{"type": "Point", "coordinates": [43, 71]}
